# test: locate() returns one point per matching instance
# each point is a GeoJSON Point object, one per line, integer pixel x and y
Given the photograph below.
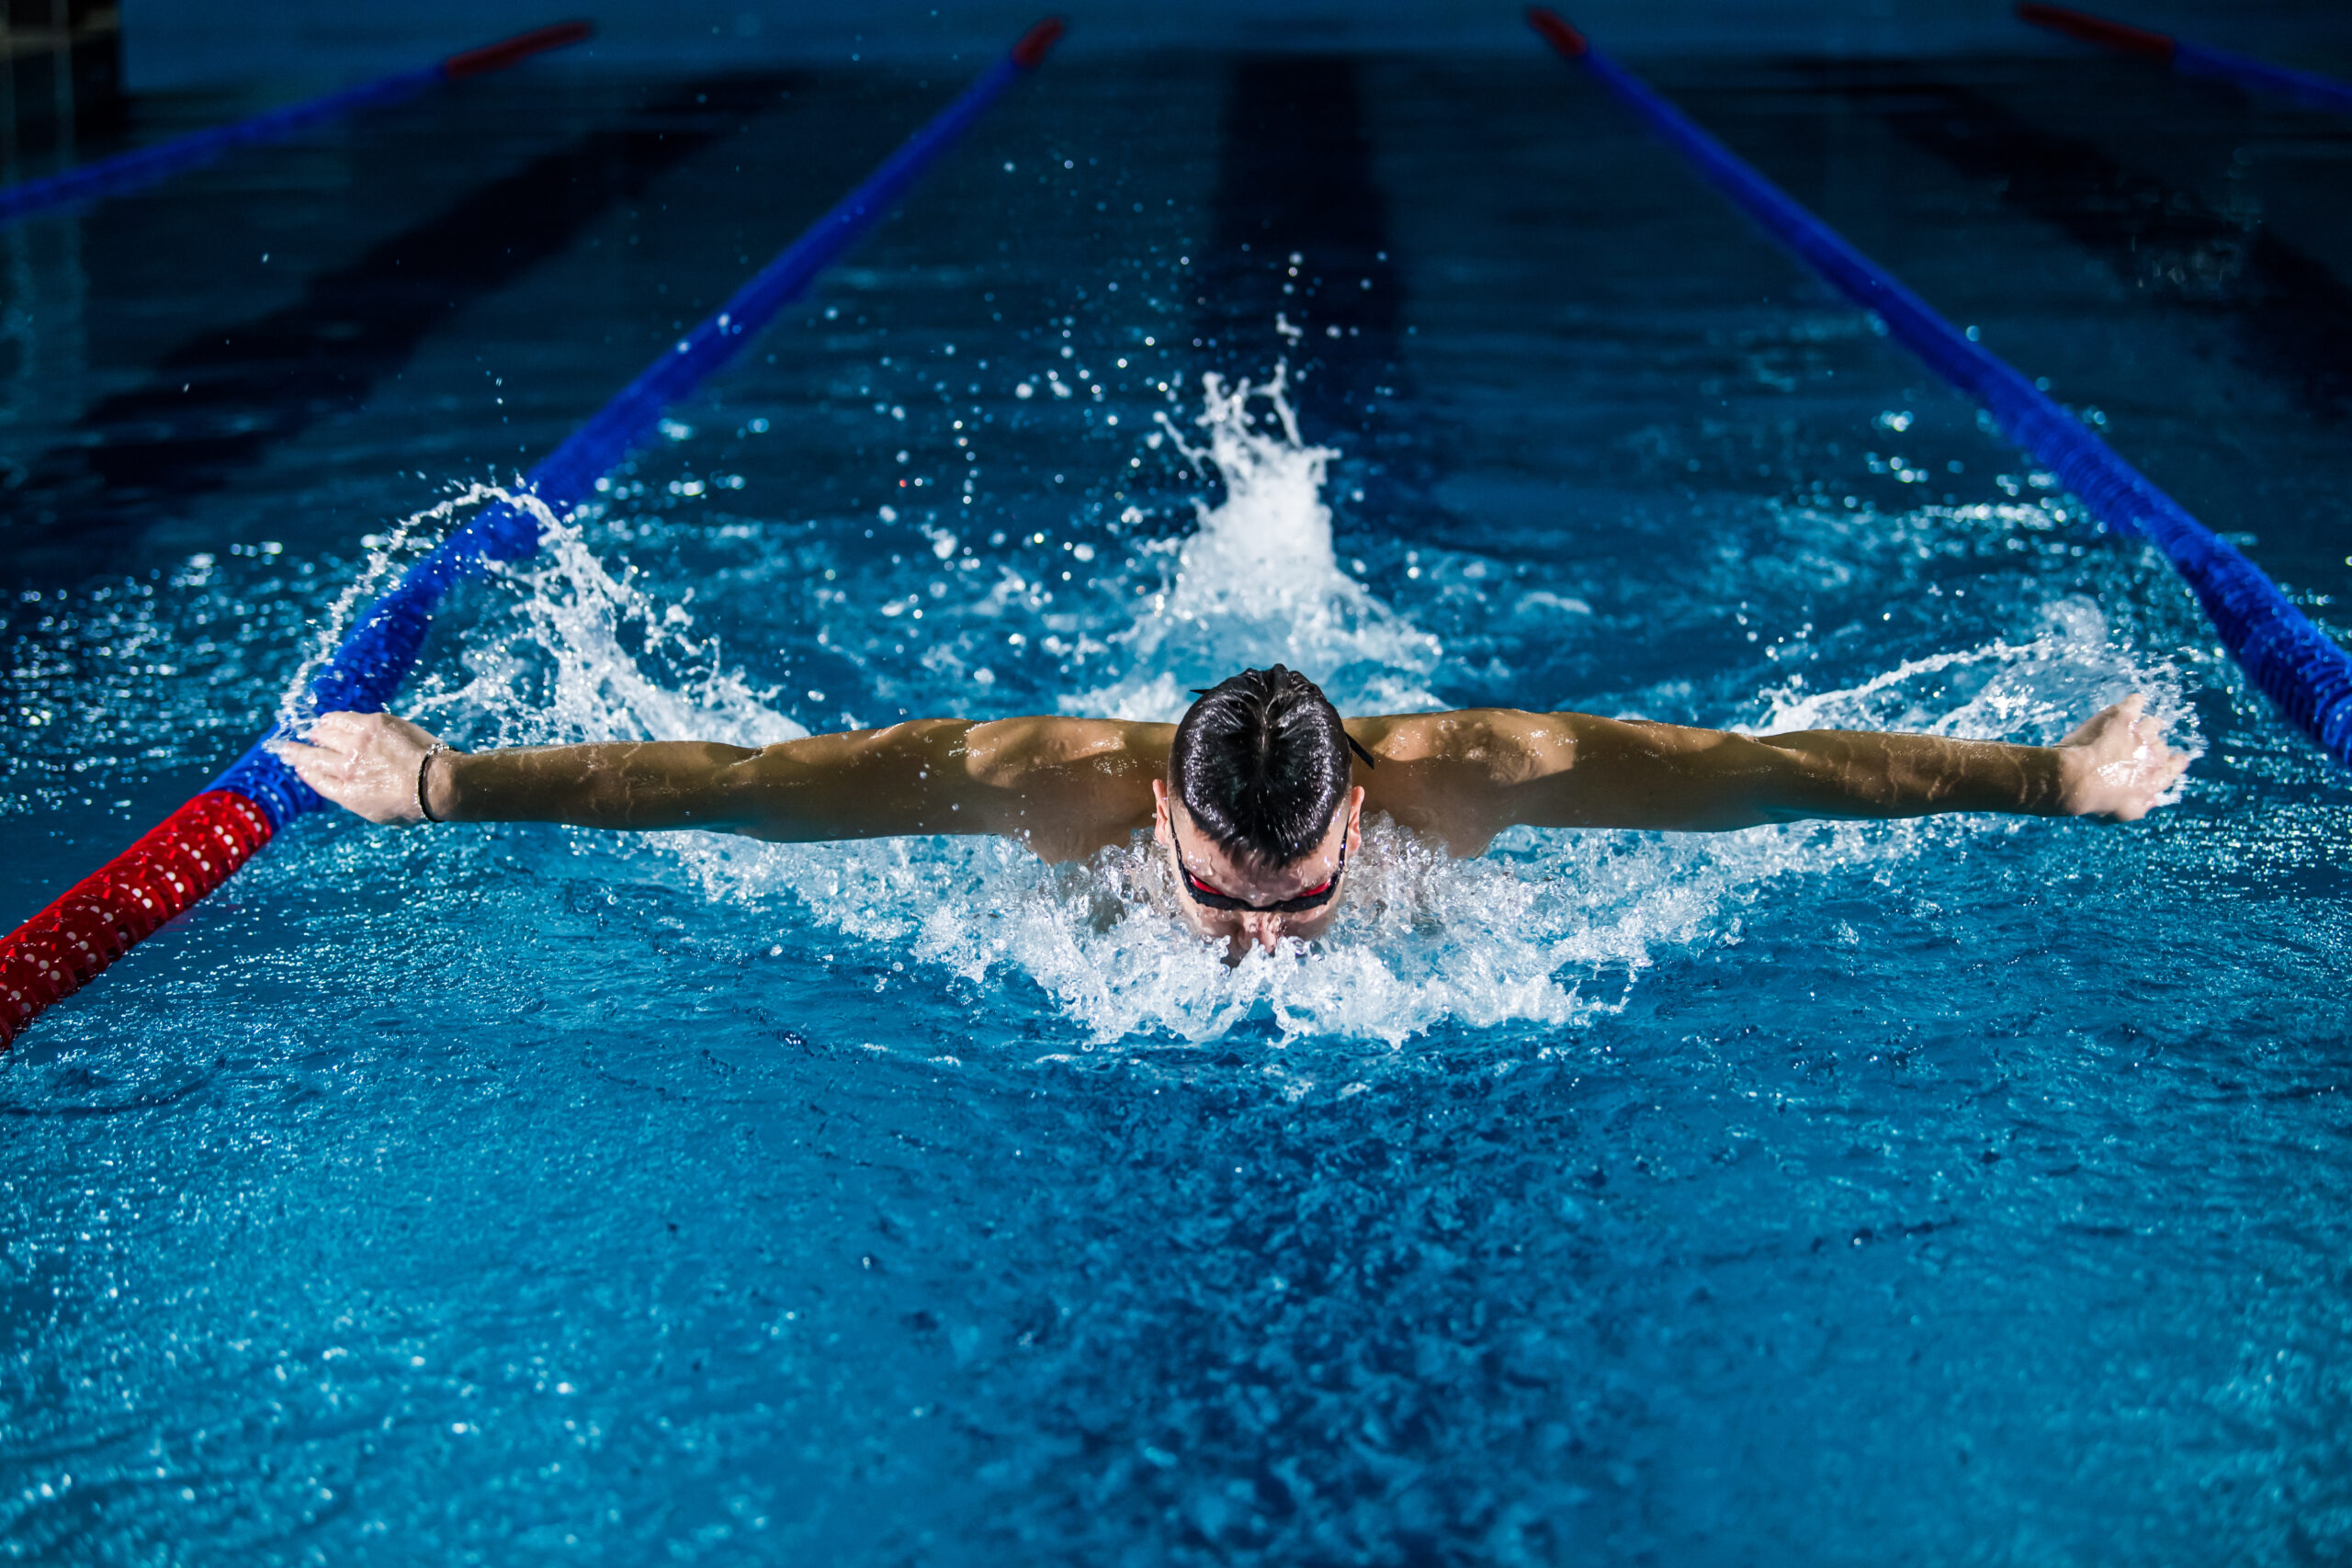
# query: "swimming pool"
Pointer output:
{"type": "Point", "coordinates": [1969, 1190]}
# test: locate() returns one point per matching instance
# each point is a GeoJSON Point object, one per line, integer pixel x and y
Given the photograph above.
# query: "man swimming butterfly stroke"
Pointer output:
{"type": "Point", "coordinates": [1255, 795]}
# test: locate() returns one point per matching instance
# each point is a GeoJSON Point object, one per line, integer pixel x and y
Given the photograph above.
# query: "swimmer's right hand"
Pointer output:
{"type": "Point", "coordinates": [367, 763]}
{"type": "Point", "coordinates": [2116, 765]}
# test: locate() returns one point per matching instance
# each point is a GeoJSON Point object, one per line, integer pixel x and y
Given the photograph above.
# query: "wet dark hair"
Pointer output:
{"type": "Point", "coordinates": [1261, 764]}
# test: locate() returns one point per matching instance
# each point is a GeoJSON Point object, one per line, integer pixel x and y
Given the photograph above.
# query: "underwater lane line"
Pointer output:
{"type": "Point", "coordinates": [130, 171]}
{"type": "Point", "coordinates": [2289, 658]}
{"type": "Point", "coordinates": [1301, 235]}
{"type": "Point", "coordinates": [224, 397]}
{"type": "Point", "coordinates": [1300, 267]}
{"type": "Point", "coordinates": [1295, 179]}
{"type": "Point", "coordinates": [2191, 59]}
{"type": "Point", "coordinates": [206, 841]}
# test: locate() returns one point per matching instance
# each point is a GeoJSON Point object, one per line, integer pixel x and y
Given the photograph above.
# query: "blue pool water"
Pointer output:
{"type": "Point", "coordinates": [1966, 1190]}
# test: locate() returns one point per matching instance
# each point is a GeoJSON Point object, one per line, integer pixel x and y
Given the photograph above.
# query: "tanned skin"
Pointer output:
{"type": "Point", "coordinates": [1068, 787]}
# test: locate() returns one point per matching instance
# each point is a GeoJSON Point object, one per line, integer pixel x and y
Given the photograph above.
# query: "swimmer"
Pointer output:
{"type": "Point", "coordinates": [1255, 796]}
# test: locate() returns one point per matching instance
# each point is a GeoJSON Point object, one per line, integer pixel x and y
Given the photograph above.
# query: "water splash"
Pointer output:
{"type": "Point", "coordinates": [1258, 581]}
{"type": "Point", "coordinates": [411, 538]}
{"type": "Point", "coordinates": [582, 652]}
{"type": "Point", "coordinates": [1551, 929]}
{"type": "Point", "coordinates": [2033, 692]}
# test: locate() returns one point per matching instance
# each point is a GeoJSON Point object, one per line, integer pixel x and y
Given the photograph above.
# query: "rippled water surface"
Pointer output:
{"type": "Point", "coordinates": [1971, 1190]}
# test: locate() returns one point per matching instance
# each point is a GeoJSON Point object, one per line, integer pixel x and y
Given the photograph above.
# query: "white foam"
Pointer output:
{"type": "Point", "coordinates": [387, 557]}
{"type": "Point", "coordinates": [1258, 582]}
{"type": "Point", "coordinates": [1551, 929]}
{"type": "Point", "coordinates": [2035, 690]}
{"type": "Point", "coordinates": [565, 660]}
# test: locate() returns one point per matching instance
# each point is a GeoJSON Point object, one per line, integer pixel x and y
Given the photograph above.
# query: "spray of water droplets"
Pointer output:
{"type": "Point", "coordinates": [1548, 929]}
{"type": "Point", "coordinates": [1258, 583]}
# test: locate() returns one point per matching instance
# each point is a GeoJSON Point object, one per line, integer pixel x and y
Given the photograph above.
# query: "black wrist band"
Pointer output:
{"type": "Point", "coordinates": [421, 809]}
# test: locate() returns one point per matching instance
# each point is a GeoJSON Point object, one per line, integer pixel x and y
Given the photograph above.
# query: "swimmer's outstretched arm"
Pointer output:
{"type": "Point", "coordinates": [1065, 785]}
{"type": "Point", "coordinates": [1465, 777]}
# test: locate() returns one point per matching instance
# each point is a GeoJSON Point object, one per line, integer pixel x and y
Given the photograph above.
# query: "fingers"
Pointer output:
{"type": "Point", "coordinates": [366, 763]}
{"type": "Point", "coordinates": [340, 731]}
{"type": "Point", "coordinates": [328, 754]}
{"type": "Point", "coordinates": [358, 736]}
{"type": "Point", "coordinates": [310, 762]}
{"type": "Point", "coordinates": [332, 774]}
{"type": "Point", "coordinates": [338, 727]}
{"type": "Point", "coordinates": [2146, 778]}
{"type": "Point", "coordinates": [2129, 769]}
{"type": "Point", "coordinates": [304, 769]}
{"type": "Point", "coordinates": [2094, 729]}
{"type": "Point", "coordinates": [2120, 728]}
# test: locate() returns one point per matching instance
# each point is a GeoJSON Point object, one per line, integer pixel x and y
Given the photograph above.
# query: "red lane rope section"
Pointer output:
{"type": "Point", "coordinates": [183, 857]}
{"type": "Point", "coordinates": [62, 949]}
{"type": "Point", "coordinates": [1030, 53]}
{"type": "Point", "coordinates": [2120, 36]}
{"type": "Point", "coordinates": [1557, 31]}
{"type": "Point", "coordinates": [522, 45]}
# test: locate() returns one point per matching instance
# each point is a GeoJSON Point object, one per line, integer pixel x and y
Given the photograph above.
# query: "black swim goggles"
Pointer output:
{"type": "Point", "coordinates": [1208, 898]}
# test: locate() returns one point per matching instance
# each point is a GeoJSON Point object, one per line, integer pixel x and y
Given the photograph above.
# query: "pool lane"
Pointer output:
{"type": "Point", "coordinates": [470, 1192]}
{"type": "Point", "coordinates": [219, 401]}
{"type": "Point", "coordinates": [1295, 177]}
{"type": "Point", "coordinates": [2174, 246]}
{"type": "Point", "coordinates": [2172, 387]}
{"type": "Point", "coordinates": [1301, 235]}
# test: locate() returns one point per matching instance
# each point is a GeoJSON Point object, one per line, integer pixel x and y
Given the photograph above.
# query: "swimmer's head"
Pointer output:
{"type": "Point", "coordinates": [1261, 766]}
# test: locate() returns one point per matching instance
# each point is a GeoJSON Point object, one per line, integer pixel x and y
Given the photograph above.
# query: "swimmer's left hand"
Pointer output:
{"type": "Point", "coordinates": [2117, 764]}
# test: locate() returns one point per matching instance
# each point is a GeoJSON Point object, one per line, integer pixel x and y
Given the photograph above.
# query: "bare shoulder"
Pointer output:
{"type": "Point", "coordinates": [1506, 745]}
{"type": "Point", "coordinates": [1001, 752]}
{"type": "Point", "coordinates": [1451, 776]}
{"type": "Point", "coordinates": [1066, 786]}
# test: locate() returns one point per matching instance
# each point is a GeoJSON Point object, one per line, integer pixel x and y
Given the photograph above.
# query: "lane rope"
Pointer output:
{"type": "Point", "coordinates": [2191, 59]}
{"type": "Point", "coordinates": [130, 171]}
{"type": "Point", "coordinates": [206, 841]}
{"type": "Point", "coordinates": [2288, 658]}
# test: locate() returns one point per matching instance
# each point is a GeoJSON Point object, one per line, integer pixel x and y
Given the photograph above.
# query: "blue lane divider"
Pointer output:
{"type": "Point", "coordinates": [2304, 86]}
{"type": "Point", "coordinates": [2288, 658]}
{"type": "Point", "coordinates": [2191, 59]}
{"type": "Point", "coordinates": [130, 171]}
{"type": "Point", "coordinates": [375, 656]}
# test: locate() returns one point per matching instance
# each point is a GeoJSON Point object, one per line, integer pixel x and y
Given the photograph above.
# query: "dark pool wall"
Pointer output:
{"type": "Point", "coordinates": [184, 42]}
